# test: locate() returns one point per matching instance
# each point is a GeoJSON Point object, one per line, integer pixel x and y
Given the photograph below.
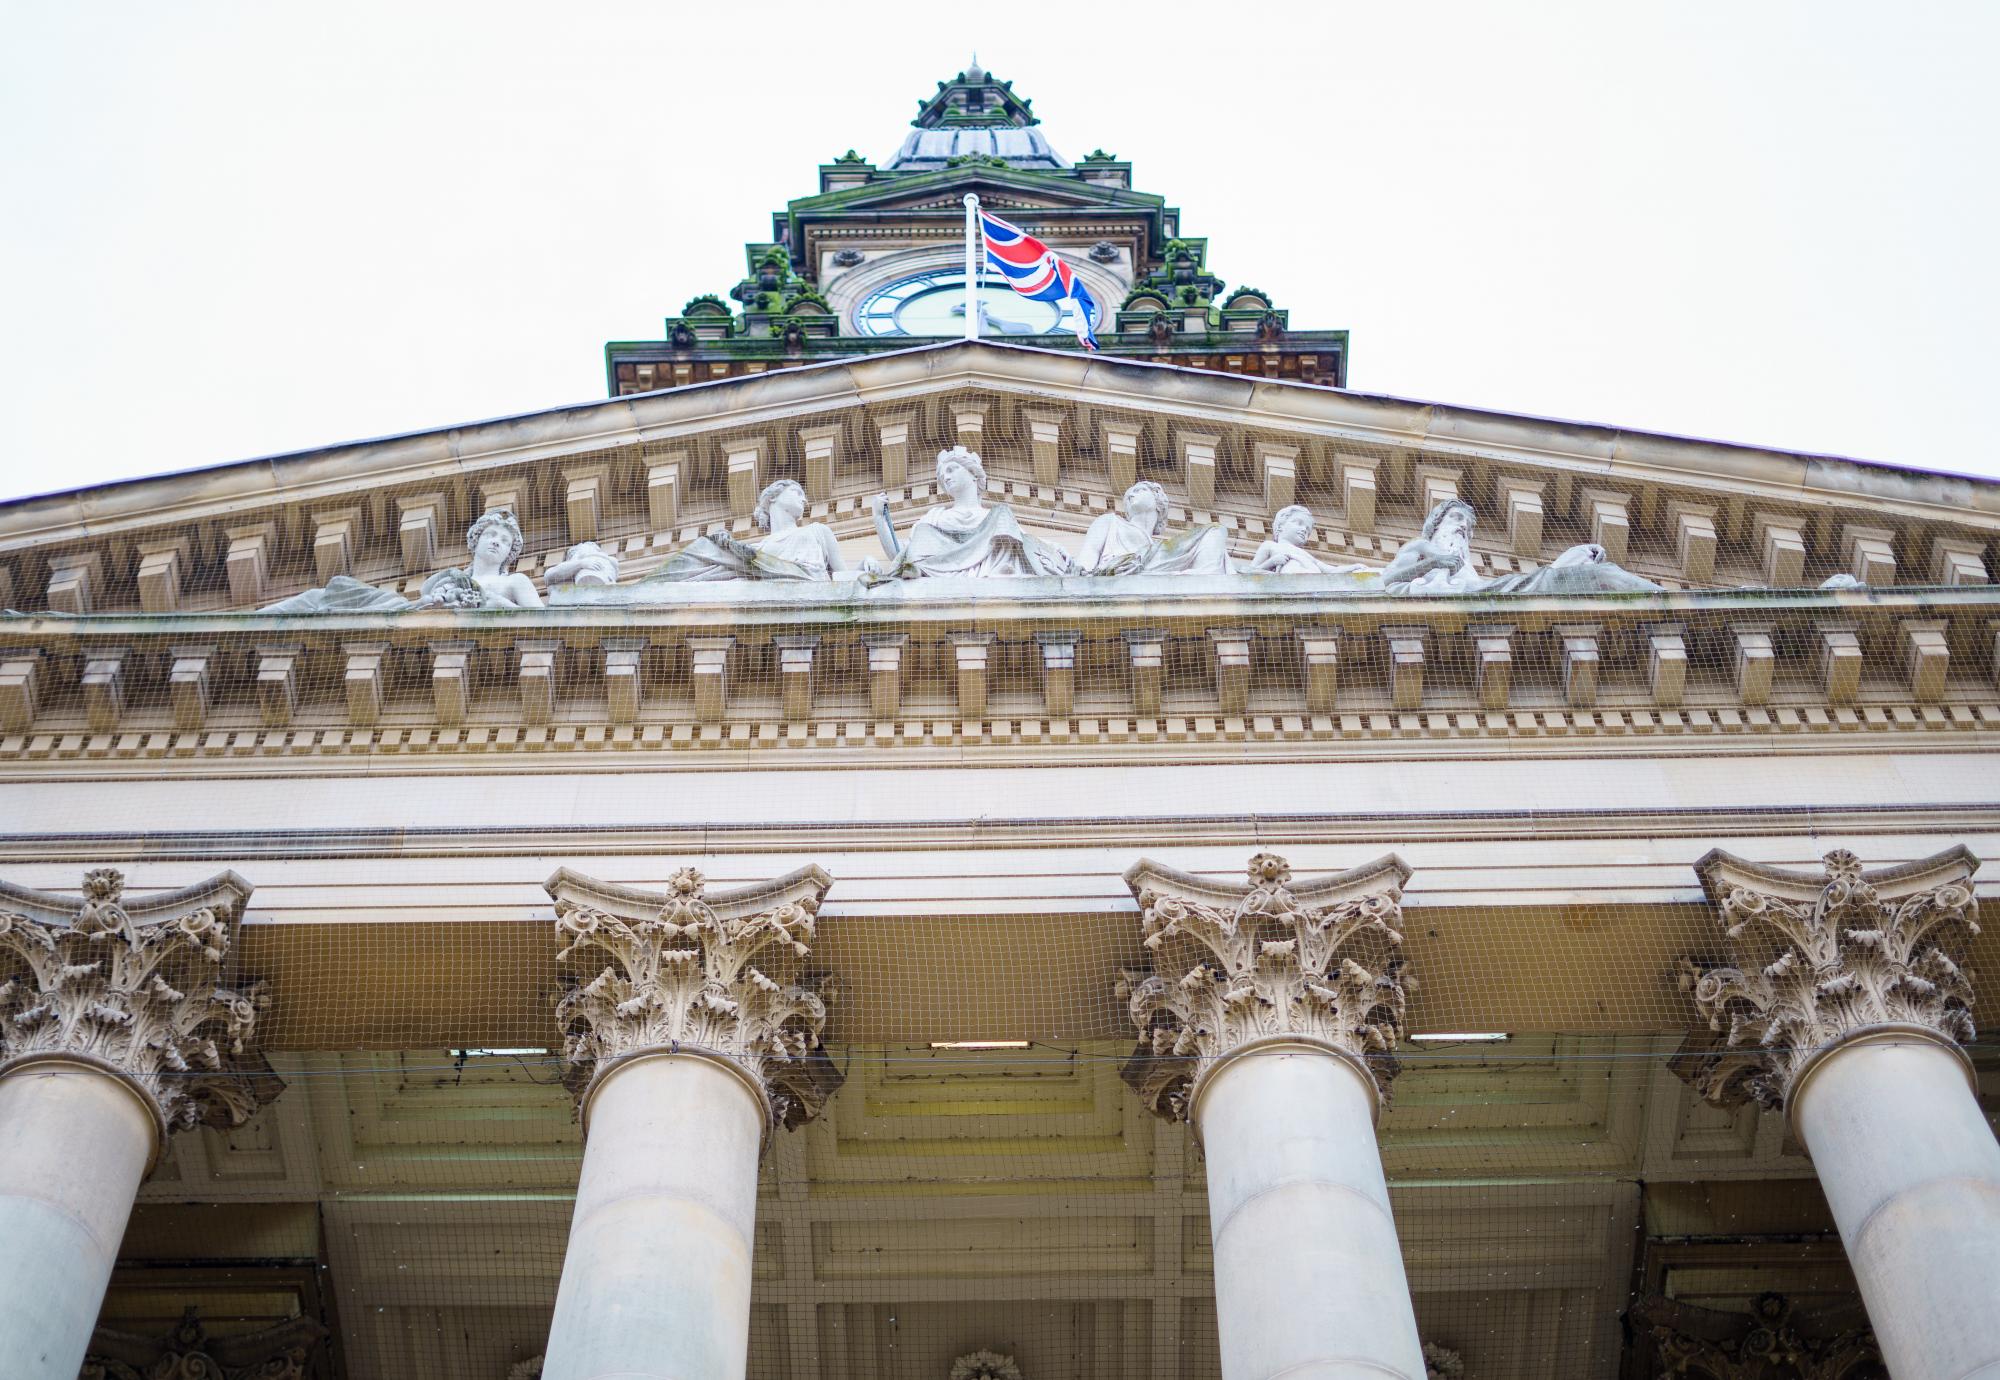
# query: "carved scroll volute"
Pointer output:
{"type": "Point", "coordinates": [283, 1352]}
{"type": "Point", "coordinates": [1770, 1342]}
{"type": "Point", "coordinates": [683, 970]}
{"type": "Point", "coordinates": [143, 988]}
{"type": "Point", "coordinates": [1818, 959]}
{"type": "Point", "coordinates": [1275, 962]}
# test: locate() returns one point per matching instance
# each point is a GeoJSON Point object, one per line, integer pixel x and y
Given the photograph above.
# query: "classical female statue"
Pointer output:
{"type": "Point", "coordinates": [1285, 552]}
{"type": "Point", "coordinates": [489, 582]}
{"type": "Point", "coordinates": [1131, 541]}
{"type": "Point", "coordinates": [586, 564]}
{"type": "Point", "coordinates": [966, 536]}
{"type": "Point", "coordinates": [1440, 562]}
{"type": "Point", "coordinates": [790, 552]}
{"type": "Point", "coordinates": [495, 543]}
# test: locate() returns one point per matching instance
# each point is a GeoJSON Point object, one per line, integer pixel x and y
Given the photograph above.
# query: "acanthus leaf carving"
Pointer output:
{"type": "Point", "coordinates": [1232, 965]}
{"type": "Point", "coordinates": [682, 970]}
{"type": "Point", "coordinates": [1442, 1363]}
{"type": "Point", "coordinates": [1820, 959]}
{"type": "Point", "coordinates": [141, 988]}
{"type": "Point", "coordinates": [985, 1365]}
{"type": "Point", "coordinates": [283, 1352]}
{"type": "Point", "coordinates": [1771, 1342]}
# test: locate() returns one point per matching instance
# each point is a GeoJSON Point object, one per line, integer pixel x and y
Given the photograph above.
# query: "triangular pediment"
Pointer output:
{"type": "Point", "coordinates": [1061, 435]}
{"type": "Point", "coordinates": [1001, 185]}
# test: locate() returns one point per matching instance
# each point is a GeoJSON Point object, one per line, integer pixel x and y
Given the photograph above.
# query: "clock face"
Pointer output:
{"type": "Point", "coordinates": [934, 304]}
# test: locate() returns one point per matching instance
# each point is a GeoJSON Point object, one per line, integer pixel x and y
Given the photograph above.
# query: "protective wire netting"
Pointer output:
{"type": "Point", "coordinates": [411, 1187]}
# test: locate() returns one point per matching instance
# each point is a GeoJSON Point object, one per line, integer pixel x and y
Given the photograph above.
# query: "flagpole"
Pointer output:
{"type": "Point", "coordinates": [971, 267]}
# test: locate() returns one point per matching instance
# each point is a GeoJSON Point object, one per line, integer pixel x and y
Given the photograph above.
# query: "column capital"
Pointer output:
{"type": "Point", "coordinates": [138, 988]}
{"type": "Point", "coordinates": [1817, 960]}
{"type": "Point", "coordinates": [694, 973]}
{"type": "Point", "coordinates": [1268, 962]}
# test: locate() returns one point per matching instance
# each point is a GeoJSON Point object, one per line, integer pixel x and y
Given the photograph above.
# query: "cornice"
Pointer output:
{"type": "Point", "coordinates": [1065, 376]}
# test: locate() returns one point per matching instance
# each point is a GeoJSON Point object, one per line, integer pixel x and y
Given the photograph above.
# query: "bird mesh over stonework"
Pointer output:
{"type": "Point", "coordinates": [961, 1179]}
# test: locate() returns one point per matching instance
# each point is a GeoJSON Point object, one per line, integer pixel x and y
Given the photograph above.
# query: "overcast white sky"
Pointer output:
{"type": "Point", "coordinates": [237, 229]}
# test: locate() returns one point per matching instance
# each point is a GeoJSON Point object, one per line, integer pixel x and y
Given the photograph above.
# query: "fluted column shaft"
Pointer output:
{"type": "Point", "coordinates": [1309, 1281]}
{"type": "Point", "coordinates": [74, 1144]}
{"type": "Point", "coordinates": [1912, 1173]}
{"type": "Point", "coordinates": [656, 1281]}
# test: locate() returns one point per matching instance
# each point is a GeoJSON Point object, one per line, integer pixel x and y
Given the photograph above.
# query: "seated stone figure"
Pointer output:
{"type": "Point", "coordinates": [1285, 553]}
{"type": "Point", "coordinates": [488, 582]}
{"type": "Point", "coordinates": [587, 563]}
{"type": "Point", "coordinates": [1440, 562]}
{"type": "Point", "coordinates": [791, 552]}
{"type": "Point", "coordinates": [1131, 542]}
{"type": "Point", "coordinates": [966, 536]}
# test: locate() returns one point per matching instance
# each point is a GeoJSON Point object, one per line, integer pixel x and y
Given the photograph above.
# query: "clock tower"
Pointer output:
{"type": "Point", "coordinates": [875, 260]}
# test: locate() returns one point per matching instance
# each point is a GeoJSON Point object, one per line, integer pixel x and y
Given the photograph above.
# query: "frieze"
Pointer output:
{"type": "Point", "coordinates": [1775, 1340]}
{"type": "Point", "coordinates": [292, 1350]}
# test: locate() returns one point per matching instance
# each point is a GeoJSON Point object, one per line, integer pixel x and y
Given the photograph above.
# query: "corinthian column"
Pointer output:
{"type": "Point", "coordinates": [1267, 1021]}
{"type": "Point", "coordinates": [1845, 1009]}
{"type": "Point", "coordinates": [689, 1038]}
{"type": "Point", "coordinates": [115, 1031]}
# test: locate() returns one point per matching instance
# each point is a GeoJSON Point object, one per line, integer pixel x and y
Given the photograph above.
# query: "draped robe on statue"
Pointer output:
{"type": "Point", "coordinates": [1118, 546]}
{"type": "Point", "coordinates": [945, 541]}
{"type": "Point", "coordinates": [799, 553]}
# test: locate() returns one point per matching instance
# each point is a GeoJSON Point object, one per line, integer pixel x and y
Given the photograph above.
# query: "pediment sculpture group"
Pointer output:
{"type": "Point", "coordinates": [967, 536]}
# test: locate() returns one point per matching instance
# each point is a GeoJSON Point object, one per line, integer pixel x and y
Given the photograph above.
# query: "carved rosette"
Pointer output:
{"type": "Point", "coordinates": [1442, 1363]}
{"type": "Point", "coordinates": [139, 988]}
{"type": "Point", "coordinates": [1771, 1342]}
{"type": "Point", "coordinates": [985, 1365]}
{"type": "Point", "coordinates": [681, 970]}
{"type": "Point", "coordinates": [1820, 959]}
{"type": "Point", "coordinates": [1320, 962]}
{"type": "Point", "coordinates": [284, 1352]}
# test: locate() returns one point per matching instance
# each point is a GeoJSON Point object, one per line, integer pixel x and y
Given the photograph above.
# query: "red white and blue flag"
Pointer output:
{"type": "Point", "coordinates": [1032, 269]}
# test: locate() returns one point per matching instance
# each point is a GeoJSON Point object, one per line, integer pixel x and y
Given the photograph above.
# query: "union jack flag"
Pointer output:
{"type": "Point", "coordinates": [1032, 269]}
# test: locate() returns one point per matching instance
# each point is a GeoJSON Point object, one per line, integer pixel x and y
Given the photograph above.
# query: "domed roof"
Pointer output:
{"type": "Point", "coordinates": [926, 149]}
{"type": "Point", "coordinates": [975, 115]}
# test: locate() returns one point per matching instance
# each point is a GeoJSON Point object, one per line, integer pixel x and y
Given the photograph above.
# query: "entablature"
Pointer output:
{"type": "Point", "coordinates": [1016, 662]}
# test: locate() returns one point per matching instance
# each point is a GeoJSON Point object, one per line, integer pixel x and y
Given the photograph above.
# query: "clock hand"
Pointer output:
{"type": "Point", "coordinates": [999, 323]}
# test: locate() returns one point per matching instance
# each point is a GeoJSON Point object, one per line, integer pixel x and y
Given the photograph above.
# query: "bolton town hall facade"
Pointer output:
{"type": "Point", "coordinates": [876, 855]}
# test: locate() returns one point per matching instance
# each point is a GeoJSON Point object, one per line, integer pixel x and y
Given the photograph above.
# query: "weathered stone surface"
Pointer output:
{"type": "Point", "coordinates": [683, 970]}
{"type": "Point", "coordinates": [1319, 963]}
{"type": "Point", "coordinates": [140, 989]}
{"type": "Point", "coordinates": [1818, 960]}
